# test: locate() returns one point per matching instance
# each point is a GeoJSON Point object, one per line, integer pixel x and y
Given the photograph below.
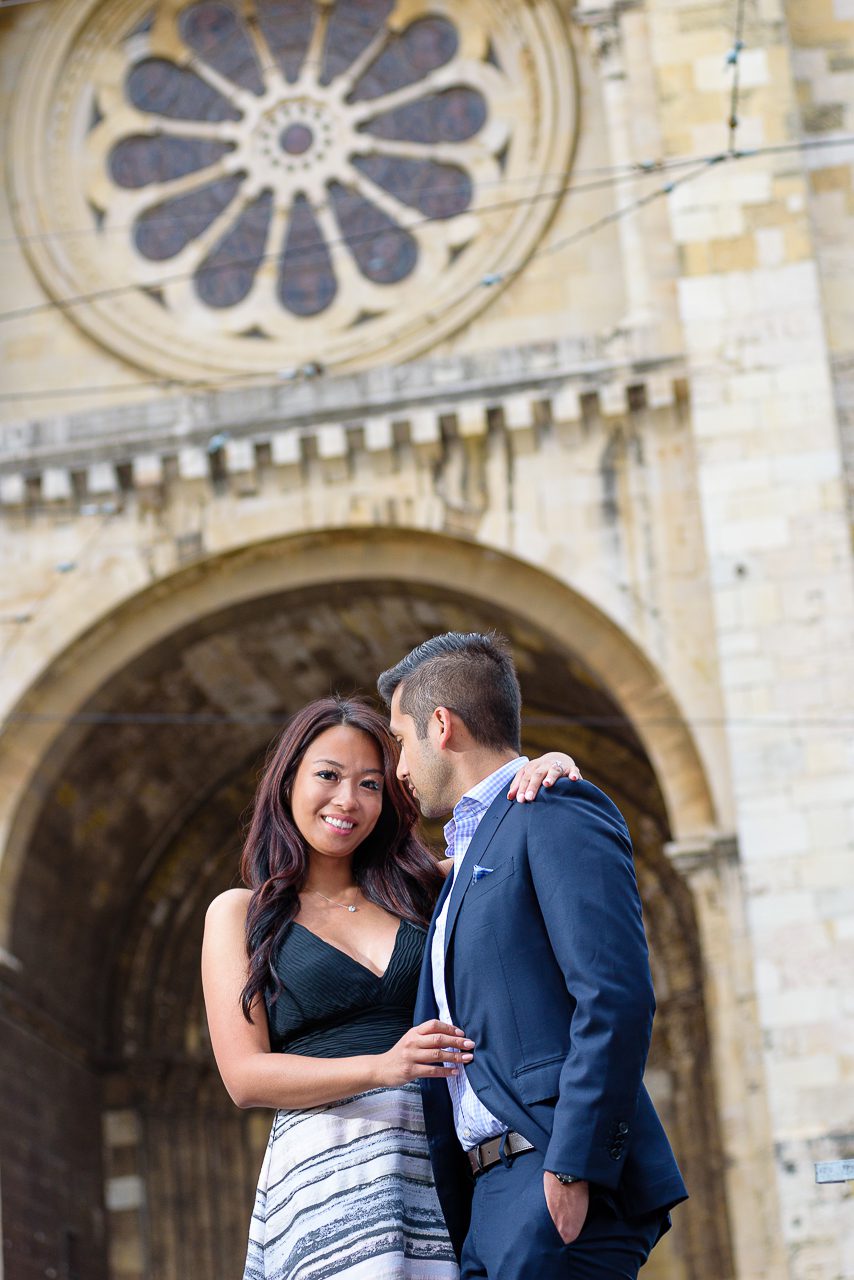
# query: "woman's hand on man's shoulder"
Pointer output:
{"type": "Point", "coordinates": [545, 771]}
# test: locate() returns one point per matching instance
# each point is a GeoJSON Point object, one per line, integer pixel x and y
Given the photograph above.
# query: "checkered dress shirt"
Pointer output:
{"type": "Point", "coordinates": [474, 1124]}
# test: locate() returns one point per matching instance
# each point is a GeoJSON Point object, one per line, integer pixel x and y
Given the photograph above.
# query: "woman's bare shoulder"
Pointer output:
{"type": "Point", "coordinates": [229, 907]}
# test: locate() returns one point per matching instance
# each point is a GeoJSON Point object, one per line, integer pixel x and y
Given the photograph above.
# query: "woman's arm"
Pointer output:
{"type": "Point", "coordinates": [255, 1076]}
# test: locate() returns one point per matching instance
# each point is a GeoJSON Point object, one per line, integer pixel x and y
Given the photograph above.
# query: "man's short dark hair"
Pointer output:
{"type": "Point", "coordinates": [471, 674]}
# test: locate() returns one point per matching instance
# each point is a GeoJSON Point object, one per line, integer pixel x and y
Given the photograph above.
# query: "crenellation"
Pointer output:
{"type": "Point", "coordinates": [379, 435]}
{"type": "Point", "coordinates": [239, 457]}
{"type": "Point", "coordinates": [102, 478]}
{"type": "Point", "coordinates": [56, 485]}
{"type": "Point", "coordinates": [148, 470]}
{"type": "Point", "coordinates": [193, 464]}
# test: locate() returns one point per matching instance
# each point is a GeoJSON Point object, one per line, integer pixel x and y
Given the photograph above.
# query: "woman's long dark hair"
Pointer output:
{"type": "Point", "coordinates": [392, 866]}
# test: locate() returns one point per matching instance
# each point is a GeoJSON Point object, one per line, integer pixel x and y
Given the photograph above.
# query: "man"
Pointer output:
{"type": "Point", "coordinates": [549, 1158]}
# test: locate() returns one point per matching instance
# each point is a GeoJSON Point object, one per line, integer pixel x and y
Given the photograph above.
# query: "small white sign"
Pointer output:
{"type": "Point", "coordinates": [834, 1171]}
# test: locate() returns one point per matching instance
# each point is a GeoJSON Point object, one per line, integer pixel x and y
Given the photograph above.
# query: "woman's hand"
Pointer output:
{"type": "Point", "coordinates": [542, 772]}
{"type": "Point", "coordinates": [424, 1051]}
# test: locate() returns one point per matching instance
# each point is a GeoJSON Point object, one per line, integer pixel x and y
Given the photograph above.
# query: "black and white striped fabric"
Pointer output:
{"type": "Point", "coordinates": [346, 1191]}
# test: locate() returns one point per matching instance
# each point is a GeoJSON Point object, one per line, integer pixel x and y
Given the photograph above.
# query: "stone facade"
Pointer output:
{"type": "Point", "coordinates": [622, 440]}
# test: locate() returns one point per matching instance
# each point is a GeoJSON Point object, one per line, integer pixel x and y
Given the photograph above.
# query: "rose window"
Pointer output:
{"type": "Point", "coordinates": [256, 183]}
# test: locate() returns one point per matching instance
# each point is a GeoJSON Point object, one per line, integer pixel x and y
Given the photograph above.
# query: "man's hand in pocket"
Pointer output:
{"type": "Point", "coordinates": [567, 1205]}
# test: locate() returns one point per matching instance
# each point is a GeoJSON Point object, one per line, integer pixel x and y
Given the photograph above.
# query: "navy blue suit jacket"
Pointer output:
{"type": "Point", "coordinates": [547, 970]}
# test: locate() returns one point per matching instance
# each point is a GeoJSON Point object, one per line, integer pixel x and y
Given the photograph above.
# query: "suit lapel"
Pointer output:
{"type": "Point", "coordinates": [425, 1001]}
{"type": "Point", "coordinates": [489, 824]}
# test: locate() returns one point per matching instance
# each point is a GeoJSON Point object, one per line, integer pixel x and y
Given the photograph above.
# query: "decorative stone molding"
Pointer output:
{"type": "Point", "coordinates": [229, 436]}
{"type": "Point", "coordinates": [251, 191]}
{"type": "Point", "coordinates": [702, 854]}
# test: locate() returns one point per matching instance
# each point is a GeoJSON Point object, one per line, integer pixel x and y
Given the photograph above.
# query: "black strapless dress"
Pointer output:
{"type": "Point", "coordinates": [346, 1189]}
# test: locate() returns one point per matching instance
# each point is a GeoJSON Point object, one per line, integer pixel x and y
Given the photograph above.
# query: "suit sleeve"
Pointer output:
{"type": "Point", "coordinates": [581, 864]}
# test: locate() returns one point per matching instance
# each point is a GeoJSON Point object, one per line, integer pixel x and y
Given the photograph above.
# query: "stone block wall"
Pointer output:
{"type": "Point", "coordinates": [53, 1221]}
{"type": "Point", "coordinates": [653, 417]}
{"type": "Point", "coordinates": [773, 500]}
{"type": "Point", "coordinates": [822, 36]}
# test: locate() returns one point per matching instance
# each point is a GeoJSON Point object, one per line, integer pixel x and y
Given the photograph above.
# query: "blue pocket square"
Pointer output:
{"type": "Point", "coordinates": [480, 872]}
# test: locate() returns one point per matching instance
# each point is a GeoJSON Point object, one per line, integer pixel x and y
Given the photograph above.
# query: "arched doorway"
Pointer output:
{"type": "Point", "coordinates": [137, 827]}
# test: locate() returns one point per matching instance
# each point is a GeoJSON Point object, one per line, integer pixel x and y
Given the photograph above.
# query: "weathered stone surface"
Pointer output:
{"type": "Point", "coordinates": [635, 461]}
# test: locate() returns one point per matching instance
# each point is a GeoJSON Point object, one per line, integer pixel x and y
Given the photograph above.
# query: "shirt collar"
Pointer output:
{"type": "Point", "coordinates": [479, 797]}
{"type": "Point", "coordinates": [484, 792]}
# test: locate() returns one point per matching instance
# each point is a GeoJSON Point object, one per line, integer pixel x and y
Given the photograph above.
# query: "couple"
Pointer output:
{"type": "Point", "coordinates": [531, 994]}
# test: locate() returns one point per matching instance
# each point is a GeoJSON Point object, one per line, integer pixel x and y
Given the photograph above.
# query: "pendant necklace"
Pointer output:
{"type": "Point", "coordinates": [345, 906]}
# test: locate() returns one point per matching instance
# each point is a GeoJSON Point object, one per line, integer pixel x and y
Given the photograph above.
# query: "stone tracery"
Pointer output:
{"type": "Point", "coordinates": [311, 149]}
{"type": "Point", "coordinates": [323, 179]}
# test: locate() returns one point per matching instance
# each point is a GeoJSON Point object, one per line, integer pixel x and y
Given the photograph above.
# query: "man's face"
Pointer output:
{"type": "Point", "coordinates": [423, 767]}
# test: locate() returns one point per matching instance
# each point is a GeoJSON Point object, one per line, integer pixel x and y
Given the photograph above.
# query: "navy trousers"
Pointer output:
{"type": "Point", "coordinates": [512, 1236]}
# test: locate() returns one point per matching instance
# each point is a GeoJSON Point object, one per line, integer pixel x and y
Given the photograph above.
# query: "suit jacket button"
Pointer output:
{"type": "Point", "coordinates": [622, 1127]}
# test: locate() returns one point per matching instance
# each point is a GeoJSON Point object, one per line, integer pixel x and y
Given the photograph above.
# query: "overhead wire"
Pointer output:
{"type": "Point", "coordinates": [566, 242]}
{"type": "Point", "coordinates": [617, 173]}
{"type": "Point", "coordinates": [319, 246]}
{"type": "Point", "coordinates": [734, 60]}
{"type": "Point", "coordinates": [489, 280]}
{"type": "Point", "coordinates": [311, 248]}
{"type": "Point", "coordinates": [248, 378]}
{"type": "Point", "coordinates": [610, 175]}
{"type": "Point", "coordinates": [600, 176]}
{"type": "Point", "coordinates": [115, 719]}
{"type": "Point", "coordinates": [703, 165]}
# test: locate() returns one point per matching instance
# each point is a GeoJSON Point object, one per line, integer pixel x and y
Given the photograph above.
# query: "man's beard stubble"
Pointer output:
{"type": "Point", "coordinates": [434, 792]}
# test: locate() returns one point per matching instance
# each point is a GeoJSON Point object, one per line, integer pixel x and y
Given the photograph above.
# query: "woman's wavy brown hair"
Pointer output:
{"type": "Point", "coordinates": [392, 866]}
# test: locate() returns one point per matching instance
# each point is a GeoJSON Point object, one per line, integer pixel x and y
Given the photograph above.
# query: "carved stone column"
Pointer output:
{"type": "Point", "coordinates": [711, 869]}
{"type": "Point", "coordinates": [609, 39]}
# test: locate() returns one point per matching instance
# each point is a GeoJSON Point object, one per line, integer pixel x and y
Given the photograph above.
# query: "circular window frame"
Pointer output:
{"type": "Point", "coordinates": [48, 180]}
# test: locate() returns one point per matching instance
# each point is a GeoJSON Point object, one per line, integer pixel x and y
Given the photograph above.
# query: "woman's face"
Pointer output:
{"type": "Point", "coordinates": [338, 791]}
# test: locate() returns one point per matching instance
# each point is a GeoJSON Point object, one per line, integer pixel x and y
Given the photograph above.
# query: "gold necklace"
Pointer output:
{"type": "Point", "coordinates": [345, 906]}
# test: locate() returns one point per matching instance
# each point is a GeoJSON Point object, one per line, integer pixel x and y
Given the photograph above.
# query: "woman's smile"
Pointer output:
{"type": "Point", "coordinates": [338, 824]}
{"type": "Point", "coordinates": [337, 794]}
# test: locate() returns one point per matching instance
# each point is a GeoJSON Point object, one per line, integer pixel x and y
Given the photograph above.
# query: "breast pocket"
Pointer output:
{"type": "Point", "coordinates": [489, 880]}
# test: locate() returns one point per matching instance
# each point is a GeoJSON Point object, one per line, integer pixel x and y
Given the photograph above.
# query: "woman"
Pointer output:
{"type": "Point", "coordinates": [310, 977]}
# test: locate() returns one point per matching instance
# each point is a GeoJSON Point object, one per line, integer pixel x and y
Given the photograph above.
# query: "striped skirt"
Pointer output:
{"type": "Point", "coordinates": [346, 1191]}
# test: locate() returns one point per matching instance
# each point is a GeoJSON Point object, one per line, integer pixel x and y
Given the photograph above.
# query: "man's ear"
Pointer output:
{"type": "Point", "coordinates": [443, 726]}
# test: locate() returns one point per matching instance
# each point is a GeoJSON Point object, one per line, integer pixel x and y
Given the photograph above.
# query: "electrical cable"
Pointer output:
{"type": "Point", "coordinates": [317, 248]}
{"type": "Point", "coordinates": [320, 246]}
{"type": "Point", "coordinates": [601, 176]}
{"type": "Point", "coordinates": [114, 719]}
{"type": "Point", "coordinates": [610, 174]}
{"type": "Point", "coordinates": [251, 378]}
{"type": "Point", "coordinates": [734, 60]}
{"type": "Point", "coordinates": [565, 242]}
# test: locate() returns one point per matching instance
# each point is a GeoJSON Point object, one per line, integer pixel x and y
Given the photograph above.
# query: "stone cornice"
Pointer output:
{"type": "Point", "coordinates": [703, 853]}
{"type": "Point", "coordinates": [388, 405]}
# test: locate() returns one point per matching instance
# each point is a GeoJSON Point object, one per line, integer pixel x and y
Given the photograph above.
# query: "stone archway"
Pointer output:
{"type": "Point", "coordinates": [136, 827]}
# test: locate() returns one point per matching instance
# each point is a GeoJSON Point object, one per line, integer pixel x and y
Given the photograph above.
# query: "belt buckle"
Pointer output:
{"type": "Point", "coordinates": [478, 1159]}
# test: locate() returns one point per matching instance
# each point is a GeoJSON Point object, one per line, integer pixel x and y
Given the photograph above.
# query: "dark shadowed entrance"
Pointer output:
{"type": "Point", "coordinates": [132, 1160]}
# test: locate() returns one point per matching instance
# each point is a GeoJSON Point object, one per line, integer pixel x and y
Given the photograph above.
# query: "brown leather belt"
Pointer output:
{"type": "Point", "coordinates": [489, 1153]}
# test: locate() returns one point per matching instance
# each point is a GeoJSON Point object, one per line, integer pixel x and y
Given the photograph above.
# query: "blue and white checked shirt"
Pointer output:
{"type": "Point", "coordinates": [474, 1124]}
